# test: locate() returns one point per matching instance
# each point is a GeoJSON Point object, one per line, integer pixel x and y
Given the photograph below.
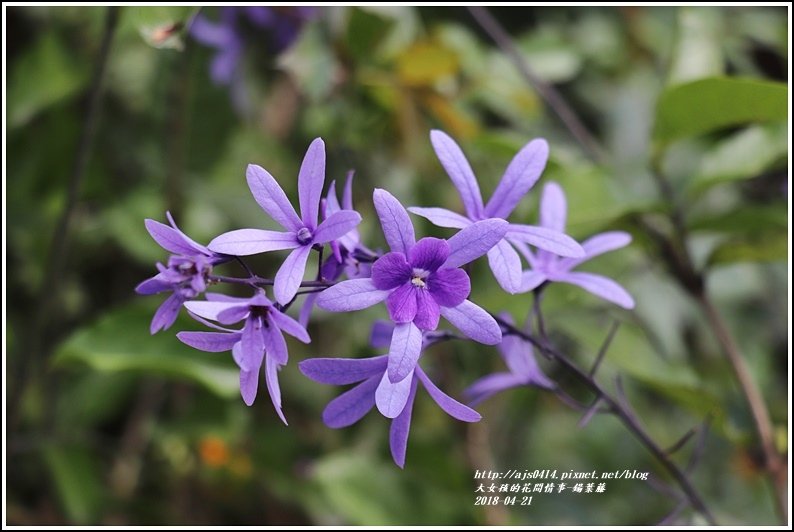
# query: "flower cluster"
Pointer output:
{"type": "Point", "coordinates": [418, 280]}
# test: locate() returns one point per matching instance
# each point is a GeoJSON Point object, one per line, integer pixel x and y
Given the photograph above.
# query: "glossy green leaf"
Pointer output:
{"type": "Point", "coordinates": [120, 341]}
{"type": "Point", "coordinates": [77, 481]}
{"type": "Point", "coordinates": [710, 104]}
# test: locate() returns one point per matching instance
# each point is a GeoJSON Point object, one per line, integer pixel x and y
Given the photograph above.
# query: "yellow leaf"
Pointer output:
{"type": "Point", "coordinates": [425, 63]}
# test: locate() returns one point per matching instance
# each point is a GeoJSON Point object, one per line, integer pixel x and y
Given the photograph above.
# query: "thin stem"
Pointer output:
{"type": "Point", "coordinates": [553, 98]}
{"type": "Point", "coordinates": [624, 415]}
{"type": "Point", "coordinates": [255, 280]}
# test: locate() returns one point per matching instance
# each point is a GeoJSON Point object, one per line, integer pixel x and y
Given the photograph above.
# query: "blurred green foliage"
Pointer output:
{"type": "Point", "coordinates": [108, 425]}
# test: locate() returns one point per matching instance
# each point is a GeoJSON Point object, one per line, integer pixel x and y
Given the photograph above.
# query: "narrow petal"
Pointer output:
{"type": "Point", "coordinates": [233, 314]}
{"type": "Point", "coordinates": [394, 220]}
{"type": "Point", "coordinates": [490, 385]}
{"type": "Point", "coordinates": [429, 254]}
{"type": "Point", "coordinates": [154, 285]}
{"type": "Point", "coordinates": [401, 304]}
{"type": "Point", "coordinates": [520, 360]}
{"type": "Point", "coordinates": [212, 342]}
{"type": "Point", "coordinates": [352, 405]}
{"type": "Point", "coordinates": [211, 309]}
{"type": "Point", "coordinates": [355, 294]}
{"type": "Point", "coordinates": [390, 271]}
{"type": "Point", "coordinates": [400, 428]}
{"type": "Point", "coordinates": [427, 311]}
{"type": "Point", "coordinates": [474, 322]}
{"type": "Point", "coordinates": [598, 245]}
{"type": "Point", "coordinates": [311, 178]}
{"type": "Point", "coordinates": [549, 240]}
{"type": "Point", "coordinates": [169, 238]}
{"type": "Point", "coordinates": [336, 226]}
{"type": "Point", "coordinates": [271, 379]}
{"type": "Point", "coordinates": [166, 313]}
{"type": "Point", "coordinates": [391, 397]}
{"type": "Point", "coordinates": [449, 286]}
{"type": "Point", "coordinates": [521, 175]}
{"type": "Point", "coordinates": [347, 193]}
{"type": "Point", "coordinates": [531, 279]}
{"type": "Point", "coordinates": [290, 275]}
{"type": "Point", "coordinates": [448, 404]}
{"type": "Point", "coordinates": [380, 335]}
{"type": "Point", "coordinates": [195, 245]}
{"type": "Point", "coordinates": [553, 207]}
{"type": "Point", "coordinates": [275, 344]}
{"type": "Point", "coordinates": [343, 370]}
{"type": "Point", "coordinates": [454, 162]}
{"type": "Point", "coordinates": [506, 266]}
{"type": "Point", "coordinates": [252, 343]}
{"type": "Point", "coordinates": [289, 325]}
{"type": "Point", "coordinates": [214, 296]}
{"type": "Point", "coordinates": [270, 196]}
{"type": "Point", "coordinates": [239, 357]}
{"type": "Point", "coordinates": [406, 345]}
{"type": "Point", "coordinates": [600, 286]}
{"type": "Point", "coordinates": [441, 217]}
{"type": "Point", "coordinates": [331, 201]}
{"type": "Point", "coordinates": [242, 242]}
{"type": "Point", "coordinates": [474, 241]}
{"type": "Point", "coordinates": [249, 383]}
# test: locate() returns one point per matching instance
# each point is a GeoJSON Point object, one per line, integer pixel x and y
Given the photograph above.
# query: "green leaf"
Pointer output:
{"type": "Point", "coordinates": [77, 481]}
{"type": "Point", "coordinates": [743, 155]}
{"type": "Point", "coordinates": [710, 104]}
{"type": "Point", "coordinates": [747, 220]}
{"type": "Point", "coordinates": [425, 63]}
{"type": "Point", "coordinates": [45, 75]}
{"type": "Point", "coordinates": [310, 63]}
{"type": "Point", "coordinates": [698, 51]}
{"type": "Point", "coordinates": [365, 31]}
{"type": "Point", "coordinates": [120, 341]}
{"type": "Point", "coordinates": [769, 247]}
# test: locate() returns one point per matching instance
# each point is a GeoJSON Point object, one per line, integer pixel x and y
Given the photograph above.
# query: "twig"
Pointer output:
{"type": "Point", "coordinates": [626, 417]}
{"type": "Point", "coordinates": [604, 347]}
{"type": "Point", "coordinates": [553, 98]}
{"type": "Point", "coordinates": [681, 441]}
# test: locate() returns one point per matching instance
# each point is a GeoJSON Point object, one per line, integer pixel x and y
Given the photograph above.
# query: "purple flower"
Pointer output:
{"type": "Point", "coordinates": [420, 281]}
{"type": "Point", "coordinates": [186, 273]}
{"type": "Point", "coordinates": [547, 266]}
{"type": "Point", "coordinates": [301, 232]}
{"type": "Point", "coordinates": [520, 360]}
{"type": "Point", "coordinates": [521, 174]}
{"type": "Point", "coordinates": [395, 401]}
{"type": "Point", "coordinates": [260, 340]}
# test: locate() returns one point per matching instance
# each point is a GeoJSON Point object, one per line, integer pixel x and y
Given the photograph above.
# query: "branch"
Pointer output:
{"type": "Point", "coordinates": [553, 98]}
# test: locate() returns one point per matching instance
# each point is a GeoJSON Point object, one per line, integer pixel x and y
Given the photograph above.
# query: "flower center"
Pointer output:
{"type": "Point", "coordinates": [304, 236]}
{"type": "Point", "coordinates": [418, 277]}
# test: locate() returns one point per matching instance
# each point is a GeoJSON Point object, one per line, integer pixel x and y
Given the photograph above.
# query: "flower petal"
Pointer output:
{"type": "Point", "coordinates": [531, 279]}
{"type": "Point", "coordinates": [305, 313]}
{"type": "Point", "coordinates": [391, 397]}
{"type": "Point", "coordinates": [355, 294]}
{"type": "Point", "coordinates": [290, 275]}
{"type": "Point", "coordinates": [166, 313]}
{"type": "Point", "coordinates": [427, 311]}
{"type": "Point", "coordinates": [447, 403]}
{"type": "Point", "coordinates": [600, 286]}
{"type": "Point", "coordinates": [212, 342]}
{"type": "Point", "coordinates": [401, 303]}
{"type": "Point", "coordinates": [289, 325]}
{"type": "Point", "coordinates": [474, 241]}
{"type": "Point", "coordinates": [249, 383]}
{"type": "Point", "coordinates": [506, 266]}
{"type": "Point", "coordinates": [336, 226]}
{"type": "Point", "coordinates": [441, 217]}
{"type": "Point", "coordinates": [454, 162]}
{"type": "Point", "coordinates": [154, 285]}
{"type": "Point", "coordinates": [192, 243]}
{"type": "Point", "coordinates": [394, 220]}
{"type": "Point", "coordinates": [252, 343]}
{"type": "Point", "coordinates": [449, 286]}
{"type": "Point", "coordinates": [343, 370]}
{"type": "Point", "coordinates": [429, 254]}
{"type": "Point", "coordinates": [275, 344]}
{"type": "Point", "coordinates": [598, 245]}
{"type": "Point", "coordinates": [380, 335]}
{"type": "Point", "coordinates": [311, 178]}
{"type": "Point", "coordinates": [211, 309]}
{"type": "Point", "coordinates": [553, 207]}
{"type": "Point", "coordinates": [331, 201]}
{"type": "Point", "coordinates": [170, 239]}
{"type": "Point", "coordinates": [521, 175]}
{"type": "Point", "coordinates": [270, 196]}
{"type": "Point", "coordinates": [242, 242]}
{"type": "Point", "coordinates": [400, 428]}
{"type": "Point", "coordinates": [347, 193]}
{"type": "Point", "coordinates": [233, 314]}
{"type": "Point", "coordinates": [474, 322]}
{"type": "Point", "coordinates": [352, 405]}
{"type": "Point", "coordinates": [549, 240]}
{"type": "Point", "coordinates": [406, 346]}
{"type": "Point", "coordinates": [490, 385]}
{"type": "Point", "coordinates": [271, 379]}
{"type": "Point", "coordinates": [390, 271]}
